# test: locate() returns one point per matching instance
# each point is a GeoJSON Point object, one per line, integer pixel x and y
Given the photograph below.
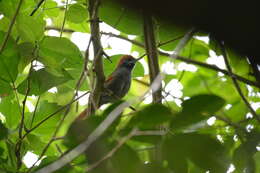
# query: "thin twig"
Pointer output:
{"type": "Point", "coordinates": [35, 109]}
{"type": "Point", "coordinates": [169, 41]}
{"type": "Point", "coordinates": [64, 18]}
{"type": "Point", "coordinates": [10, 26]}
{"type": "Point", "coordinates": [37, 7]}
{"type": "Point", "coordinates": [236, 83]}
{"type": "Point", "coordinates": [52, 114]}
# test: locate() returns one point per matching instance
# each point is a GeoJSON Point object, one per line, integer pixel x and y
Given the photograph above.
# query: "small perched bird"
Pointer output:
{"type": "Point", "coordinates": [118, 82]}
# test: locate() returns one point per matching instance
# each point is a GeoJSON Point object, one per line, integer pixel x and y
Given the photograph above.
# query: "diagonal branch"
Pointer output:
{"type": "Point", "coordinates": [257, 117]}
{"type": "Point", "coordinates": [37, 7]}
{"type": "Point", "coordinates": [10, 26]}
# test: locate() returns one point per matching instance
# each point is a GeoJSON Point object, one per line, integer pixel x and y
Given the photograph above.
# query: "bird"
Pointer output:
{"type": "Point", "coordinates": [117, 84]}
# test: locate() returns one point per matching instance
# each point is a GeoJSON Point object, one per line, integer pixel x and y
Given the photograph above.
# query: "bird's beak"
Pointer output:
{"type": "Point", "coordinates": [140, 57]}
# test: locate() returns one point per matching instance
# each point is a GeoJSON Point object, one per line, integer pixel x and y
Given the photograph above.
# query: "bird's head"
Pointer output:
{"type": "Point", "coordinates": [127, 61]}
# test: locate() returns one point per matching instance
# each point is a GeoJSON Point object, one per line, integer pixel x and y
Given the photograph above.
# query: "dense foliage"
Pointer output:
{"type": "Point", "coordinates": [202, 125]}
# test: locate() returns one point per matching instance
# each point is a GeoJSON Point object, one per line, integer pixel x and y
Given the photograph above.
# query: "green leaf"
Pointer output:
{"type": "Point", "coordinates": [168, 31]}
{"type": "Point", "coordinates": [196, 109]}
{"type": "Point", "coordinates": [29, 28]}
{"type": "Point", "coordinates": [202, 150]}
{"type": "Point", "coordinates": [243, 155]}
{"type": "Point", "coordinates": [196, 49]}
{"type": "Point", "coordinates": [204, 104]}
{"type": "Point", "coordinates": [3, 132]}
{"type": "Point", "coordinates": [121, 17]}
{"type": "Point", "coordinates": [5, 87]}
{"type": "Point", "coordinates": [47, 128]}
{"type": "Point", "coordinates": [77, 13]}
{"type": "Point", "coordinates": [8, 7]}
{"type": "Point", "coordinates": [238, 111]}
{"type": "Point", "coordinates": [238, 63]}
{"type": "Point", "coordinates": [175, 154]}
{"type": "Point", "coordinates": [51, 8]}
{"type": "Point", "coordinates": [36, 145]}
{"type": "Point", "coordinates": [56, 52]}
{"type": "Point", "coordinates": [40, 81]}
{"type": "Point", "coordinates": [123, 157]}
{"type": "Point", "coordinates": [257, 160]}
{"type": "Point", "coordinates": [214, 45]}
{"type": "Point", "coordinates": [26, 50]}
{"type": "Point", "coordinates": [10, 109]}
{"type": "Point", "coordinates": [9, 60]}
{"type": "Point", "coordinates": [150, 116]}
{"type": "Point", "coordinates": [110, 67]}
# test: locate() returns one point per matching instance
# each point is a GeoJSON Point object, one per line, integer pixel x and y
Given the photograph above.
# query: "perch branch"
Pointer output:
{"type": "Point", "coordinates": [98, 52]}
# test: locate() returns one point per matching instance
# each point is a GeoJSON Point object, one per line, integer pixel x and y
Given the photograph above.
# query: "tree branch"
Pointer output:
{"type": "Point", "coordinates": [152, 54]}
{"type": "Point", "coordinates": [37, 7]}
{"type": "Point", "coordinates": [236, 83]}
{"type": "Point", "coordinates": [189, 61]}
{"type": "Point", "coordinates": [98, 52]}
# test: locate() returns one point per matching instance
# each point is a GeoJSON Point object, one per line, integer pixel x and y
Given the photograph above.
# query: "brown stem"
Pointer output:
{"type": "Point", "coordinates": [98, 52]}
{"type": "Point", "coordinates": [152, 54]}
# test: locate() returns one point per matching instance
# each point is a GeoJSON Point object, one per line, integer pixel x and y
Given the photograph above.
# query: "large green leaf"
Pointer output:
{"type": "Point", "coordinates": [238, 111]}
{"type": "Point", "coordinates": [204, 104]}
{"type": "Point", "coordinates": [8, 7]}
{"type": "Point", "coordinates": [151, 115]}
{"type": "Point", "coordinates": [10, 109]}
{"type": "Point", "coordinates": [110, 67]}
{"type": "Point", "coordinates": [5, 87]}
{"type": "Point", "coordinates": [47, 128]}
{"type": "Point", "coordinates": [123, 157]}
{"type": "Point", "coordinates": [9, 60]}
{"type": "Point", "coordinates": [167, 32]}
{"type": "Point", "coordinates": [196, 49]}
{"type": "Point", "coordinates": [77, 13]}
{"type": "Point", "coordinates": [121, 18]}
{"type": "Point", "coordinates": [196, 109]}
{"type": "Point", "coordinates": [40, 81]}
{"type": "Point", "coordinates": [202, 150]}
{"type": "Point", "coordinates": [26, 50]}
{"type": "Point", "coordinates": [238, 63]}
{"type": "Point", "coordinates": [52, 10]}
{"type": "Point", "coordinates": [29, 28]}
{"type": "Point", "coordinates": [243, 155]}
{"type": "Point", "coordinates": [58, 52]}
